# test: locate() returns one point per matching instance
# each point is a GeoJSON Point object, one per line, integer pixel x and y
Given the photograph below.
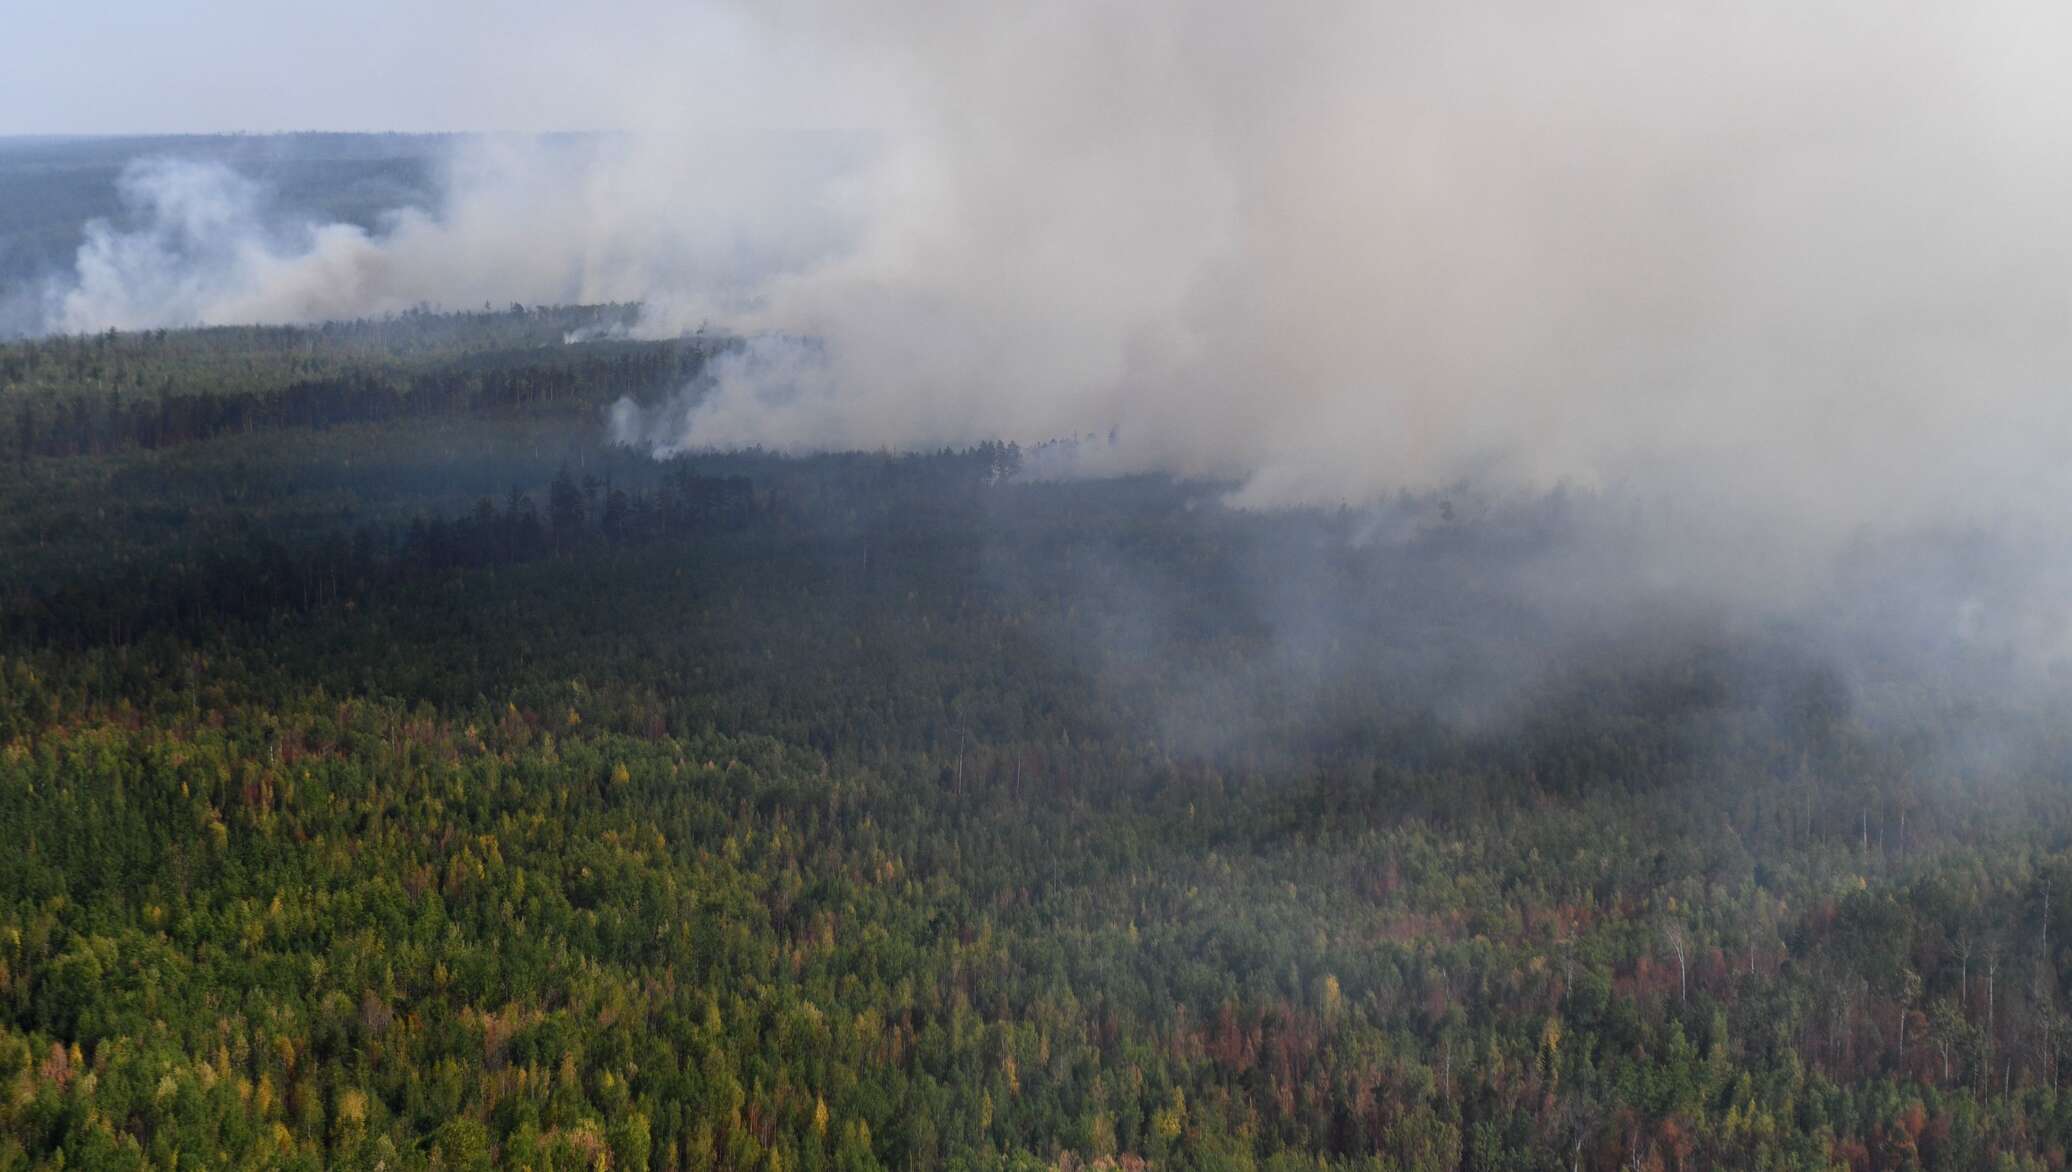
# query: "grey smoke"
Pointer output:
{"type": "Point", "coordinates": [1798, 269]}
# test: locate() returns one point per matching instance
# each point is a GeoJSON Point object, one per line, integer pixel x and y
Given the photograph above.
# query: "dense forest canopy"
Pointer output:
{"type": "Point", "coordinates": [396, 774]}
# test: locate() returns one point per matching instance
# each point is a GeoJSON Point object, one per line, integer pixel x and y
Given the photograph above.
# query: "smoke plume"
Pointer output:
{"type": "Point", "coordinates": [1809, 258]}
{"type": "Point", "coordinates": [691, 224]}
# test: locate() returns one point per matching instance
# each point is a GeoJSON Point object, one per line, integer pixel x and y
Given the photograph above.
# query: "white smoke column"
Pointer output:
{"type": "Point", "coordinates": [1808, 257]}
{"type": "Point", "coordinates": [693, 225]}
{"type": "Point", "coordinates": [200, 243]}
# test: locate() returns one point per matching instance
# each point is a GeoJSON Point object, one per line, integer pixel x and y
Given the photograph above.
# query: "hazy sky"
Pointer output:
{"type": "Point", "coordinates": [128, 66]}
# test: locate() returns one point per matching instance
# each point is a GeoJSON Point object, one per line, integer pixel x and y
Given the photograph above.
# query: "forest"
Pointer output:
{"type": "Point", "coordinates": [396, 774]}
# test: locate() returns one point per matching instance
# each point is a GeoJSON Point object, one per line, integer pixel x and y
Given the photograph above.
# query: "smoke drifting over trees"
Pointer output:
{"type": "Point", "coordinates": [1130, 585]}
{"type": "Point", "coordinates": [1799, 269]}
{"type": "Point", "coordinates": [555, 219]}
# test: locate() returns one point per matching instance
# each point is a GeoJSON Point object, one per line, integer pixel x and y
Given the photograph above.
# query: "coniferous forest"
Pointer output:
{"type": "Point", "coordinates": [395, 774]}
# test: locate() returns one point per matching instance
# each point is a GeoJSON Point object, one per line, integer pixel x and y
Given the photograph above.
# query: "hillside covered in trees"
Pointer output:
{"type": "Point", "coordinates": [396, 775]}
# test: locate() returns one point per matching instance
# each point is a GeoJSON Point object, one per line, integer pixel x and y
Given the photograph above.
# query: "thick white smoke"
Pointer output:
{"type": "Point", "coordinates": [1808, 257]}
{"type": "Point", "coordinates": [1808, 254]}
{"type": "Point", "coordinates": [691, 224]}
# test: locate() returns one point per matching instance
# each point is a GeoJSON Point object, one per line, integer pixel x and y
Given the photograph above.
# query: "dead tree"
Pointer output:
{"type": "Point", "coordinates": [1673, 935]}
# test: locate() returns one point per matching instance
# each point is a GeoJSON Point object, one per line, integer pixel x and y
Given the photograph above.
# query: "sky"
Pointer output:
{"type": "Point", "coordinates": [207, 66]}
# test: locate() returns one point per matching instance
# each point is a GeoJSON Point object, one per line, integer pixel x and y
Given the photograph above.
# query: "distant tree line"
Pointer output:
{"type": "Point", "coordinates": [81, 423]}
